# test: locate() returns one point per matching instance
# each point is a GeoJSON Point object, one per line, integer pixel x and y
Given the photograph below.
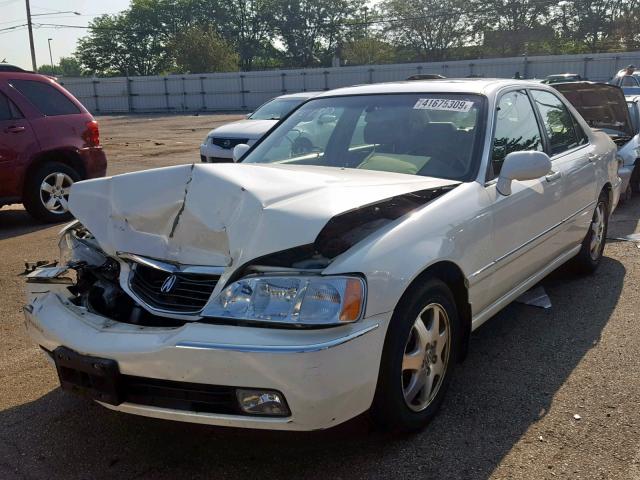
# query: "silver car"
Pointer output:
{"type": "Point", "coordinates": [219, 143]}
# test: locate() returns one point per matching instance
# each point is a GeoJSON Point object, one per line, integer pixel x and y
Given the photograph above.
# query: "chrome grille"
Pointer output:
{"type": "Point", "coordinates": [228, 143]}
{"type": "Point", "coordinates": [177, 292]}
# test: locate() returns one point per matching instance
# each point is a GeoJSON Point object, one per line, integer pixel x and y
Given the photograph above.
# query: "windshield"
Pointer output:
{"type": "Point", "coordinates": [276, 109]}
{"type": "Point", "coordinates": [426, 134]}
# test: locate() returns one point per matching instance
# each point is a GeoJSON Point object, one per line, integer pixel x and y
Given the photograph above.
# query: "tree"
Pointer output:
{"type": "Point", "coordinates": [365, 51]}
{"type": "Point", "coordinates": [128, 43]}
{"type": "Point", "coordinates": [593, 22]}
{"type": "Point", "coordinates": [432, 29]}
{"type": "Point", "coordinates": [311, 29]}
{"type": "Point", "coordinates": [68, 67]}
{"type": "Point", "coordinates": [249, 26]}
{"type": "Point", "coordinates": [201, 50]}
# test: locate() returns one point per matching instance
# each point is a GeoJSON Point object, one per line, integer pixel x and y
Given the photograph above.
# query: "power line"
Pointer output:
{"type": "Point", "coordinates": [12, 28]}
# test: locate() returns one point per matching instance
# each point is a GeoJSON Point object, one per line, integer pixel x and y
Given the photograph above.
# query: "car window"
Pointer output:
{"type": "Point", "coordinates": [8, 110]}
{"type": "Point", "coordinates": [49, 100]}
{"type": "Point", "coordinates": [429, 134]}
{"type": "Point", "coordinates": [275, 109]}
{"type": "Point", "coordinates": [516, 128]}
{"type": "Point", "coordinates": [629, 81]}
{"type": "Point", "coordinates": [5, 109]}
{"type": "Point", "coordinates": [557, 120]}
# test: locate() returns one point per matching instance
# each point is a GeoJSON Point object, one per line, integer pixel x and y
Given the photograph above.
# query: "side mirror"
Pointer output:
{"type": "Point", "coordinates": [526, 165]}
{"type": "Point", "coordinates": [239, 151]}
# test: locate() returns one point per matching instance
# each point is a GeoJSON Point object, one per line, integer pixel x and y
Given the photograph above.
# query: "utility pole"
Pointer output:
{"type": "Point", "coordinates": [30, 27]}
{"type": "Point", "coordinates": [53, 70]}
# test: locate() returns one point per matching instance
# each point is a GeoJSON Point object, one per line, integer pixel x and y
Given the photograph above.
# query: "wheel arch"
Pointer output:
{"type": "Point", "coordinates": [66, 156]}
{"type": "Point", "coordinates": [453, 276]}
{"type": "Point", "coordinates": [609, 191]}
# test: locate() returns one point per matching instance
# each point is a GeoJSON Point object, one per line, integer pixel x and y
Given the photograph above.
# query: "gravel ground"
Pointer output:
{"type": "Point", "coordinates": [510, 412]}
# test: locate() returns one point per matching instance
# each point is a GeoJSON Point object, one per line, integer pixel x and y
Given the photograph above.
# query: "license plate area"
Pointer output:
{"type": "Point", "coordinates": [92, 377]}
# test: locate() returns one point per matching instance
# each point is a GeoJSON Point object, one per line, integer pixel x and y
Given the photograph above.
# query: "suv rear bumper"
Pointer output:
{"type": "Point", "coordinates": [95, 162]}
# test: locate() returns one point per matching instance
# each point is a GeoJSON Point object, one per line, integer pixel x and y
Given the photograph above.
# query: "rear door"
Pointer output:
{"type": "Point", "coordinates": [573, 159]}
{"type": "Point", "coordinates": [17, 144]}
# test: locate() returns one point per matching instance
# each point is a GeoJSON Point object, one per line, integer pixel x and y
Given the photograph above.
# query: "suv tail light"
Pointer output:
{"type": "Point", "coordinates": [92, 134]}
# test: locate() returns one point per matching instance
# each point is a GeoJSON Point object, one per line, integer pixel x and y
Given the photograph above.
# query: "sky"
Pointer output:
{"type": "Point", "coordinates": [14, 44]}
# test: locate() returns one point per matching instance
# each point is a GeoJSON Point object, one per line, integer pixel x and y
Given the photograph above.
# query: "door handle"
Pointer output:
{"type": "Point", "coordinates": [592, 157]}
{"type": "Point", "coordinates": [552, 177]}
{"type": "Point", "coordinates": [14, 129]}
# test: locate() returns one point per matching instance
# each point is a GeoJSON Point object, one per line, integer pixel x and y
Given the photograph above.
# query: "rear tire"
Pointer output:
{"type": "Point", "coordinates": [420, 351]}
{"type": "Point", "coordinates": [46, 192]}
{"type": "Point", "coordinates": [590, 254]}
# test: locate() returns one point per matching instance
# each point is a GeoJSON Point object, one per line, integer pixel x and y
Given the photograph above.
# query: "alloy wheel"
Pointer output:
{"type": "Point", "coordinates": [54, 192]}
{"type": "Point", "coordinates": [426, 356]}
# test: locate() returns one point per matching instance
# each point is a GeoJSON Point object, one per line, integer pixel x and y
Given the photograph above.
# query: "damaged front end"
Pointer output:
{"type": "Point", "coordinates": [89, 278]}
{"type": "Point", "coordinates": [141, 291]}
{"type": "Point", "coordinates": [253, 255]}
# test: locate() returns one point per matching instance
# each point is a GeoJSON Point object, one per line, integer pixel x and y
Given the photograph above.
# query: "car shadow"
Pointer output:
{"type": "Point", "coordinates": [517, 362]}
{"type": "Point", "coordinates": [15, 222]}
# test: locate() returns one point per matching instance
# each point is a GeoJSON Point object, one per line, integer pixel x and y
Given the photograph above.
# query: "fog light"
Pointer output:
{"type": "Point", "coordinates": [262, 402]}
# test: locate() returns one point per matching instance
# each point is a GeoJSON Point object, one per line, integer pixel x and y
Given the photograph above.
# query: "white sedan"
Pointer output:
{"type": "Point", "coordinates": [218, 145]}
{"type": "Point", "coordinates": [295, 291]}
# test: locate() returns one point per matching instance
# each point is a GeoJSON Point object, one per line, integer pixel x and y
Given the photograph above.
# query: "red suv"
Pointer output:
{"type": "Point", "coordinates": [48, 140]}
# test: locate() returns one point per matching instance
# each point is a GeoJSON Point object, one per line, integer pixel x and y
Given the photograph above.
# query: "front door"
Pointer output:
{"type": "Point", "coordinates": [525, 222]}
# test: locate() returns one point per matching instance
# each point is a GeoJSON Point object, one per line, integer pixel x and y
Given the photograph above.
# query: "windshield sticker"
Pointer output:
{"type": "Point", "coordinates": [445, 104]}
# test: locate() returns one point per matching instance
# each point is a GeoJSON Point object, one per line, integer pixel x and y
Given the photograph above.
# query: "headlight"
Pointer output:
{"type": "Point", "coordinates": [293, 300]}
{"type": "Point", "coordinates": [77, 245]}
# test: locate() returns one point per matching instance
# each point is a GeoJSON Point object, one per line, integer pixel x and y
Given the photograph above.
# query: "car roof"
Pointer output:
{"type": "Point", "coordinates": [564, 75]}
{"type": "Point", "coordinates": [303, 95]}
{"type": "Point", "coordinates": [482, 86]}
{"type": "Point", "coordinates": [15, 75]}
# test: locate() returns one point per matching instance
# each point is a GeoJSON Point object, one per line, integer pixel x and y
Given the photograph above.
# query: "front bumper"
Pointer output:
{"type": "Point", "coordinates": [625, 172]}
{"type": "Point", "coordinates": [210, 153]}
{"type": "Point", "coordinates": [327, 376]}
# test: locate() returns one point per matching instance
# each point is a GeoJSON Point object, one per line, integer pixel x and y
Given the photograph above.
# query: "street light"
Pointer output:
{"type": "Point", "coordinates": [53, 70]}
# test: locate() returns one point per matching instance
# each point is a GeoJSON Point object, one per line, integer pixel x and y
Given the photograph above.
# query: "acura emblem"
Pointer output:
{"type": "Point", "coordinates": [168, 284]}
{"type": "Point", "coordinates": [226, 143]}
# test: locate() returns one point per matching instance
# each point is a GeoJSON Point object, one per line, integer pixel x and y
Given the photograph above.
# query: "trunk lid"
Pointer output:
{"type": "Point", "coordinates": [603, 107]}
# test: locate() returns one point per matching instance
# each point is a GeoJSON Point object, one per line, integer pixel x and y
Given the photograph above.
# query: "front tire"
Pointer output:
{"type": "Point", "coordinates": [46, 192]}
{"type": "Point", "coordinates": [590, 254]}
{"type": "Point", "coordinates": [419, 354]}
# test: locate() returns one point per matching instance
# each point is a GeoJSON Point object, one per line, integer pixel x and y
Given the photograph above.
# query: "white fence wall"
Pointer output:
{"type": "Point", "coordinates": [247, 90]}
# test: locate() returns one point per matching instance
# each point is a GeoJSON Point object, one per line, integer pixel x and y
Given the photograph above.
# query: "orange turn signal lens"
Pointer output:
{"type": "Point", "coordinates": [353, 300]}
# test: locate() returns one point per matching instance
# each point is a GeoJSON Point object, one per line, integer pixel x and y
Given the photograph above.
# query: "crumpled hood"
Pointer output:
{"type": "Point", "coordinates": [603, 106]}
{"type": "Point", "coordinates": [243, 129]}
{"type": "Point", "coordinates": [226, 214]}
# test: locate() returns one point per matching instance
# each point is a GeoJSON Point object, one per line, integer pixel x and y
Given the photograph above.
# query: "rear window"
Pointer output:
{"type": "Point", "coordinates": [49, 100]}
